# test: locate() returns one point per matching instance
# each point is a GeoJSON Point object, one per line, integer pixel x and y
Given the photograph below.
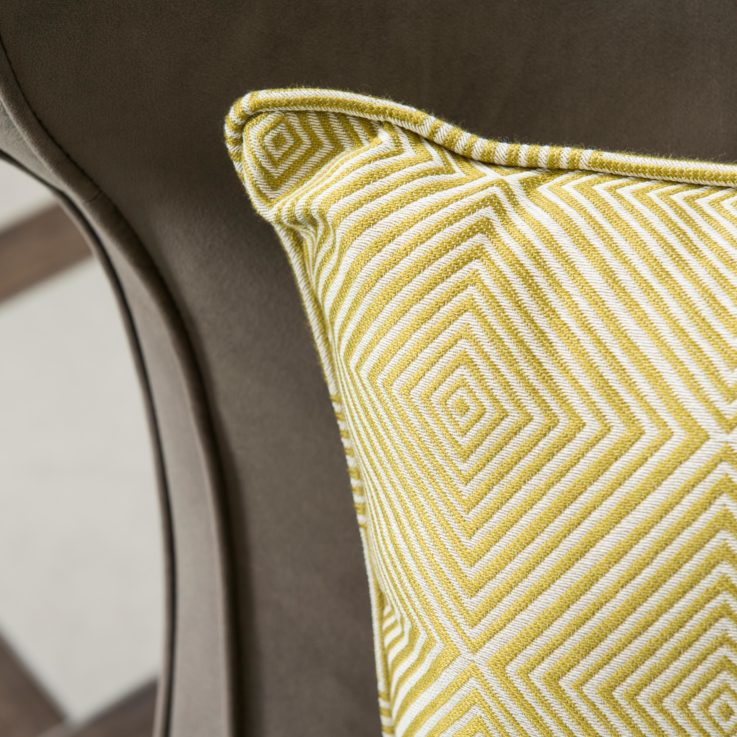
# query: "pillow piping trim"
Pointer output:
{"type": "Point", "coordinates": [469, 145]}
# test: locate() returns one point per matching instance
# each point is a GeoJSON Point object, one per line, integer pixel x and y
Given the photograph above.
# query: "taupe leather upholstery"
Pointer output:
{"type": "Point", "coordinates": [118, 107]}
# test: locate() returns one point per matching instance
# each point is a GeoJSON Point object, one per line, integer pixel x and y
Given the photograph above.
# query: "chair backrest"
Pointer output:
{"type": "Point", "coordinates": [118, 107]}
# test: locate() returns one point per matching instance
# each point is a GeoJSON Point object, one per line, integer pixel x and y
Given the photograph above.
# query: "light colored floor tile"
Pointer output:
{"type": "Point", "coordinates": [80, 563]}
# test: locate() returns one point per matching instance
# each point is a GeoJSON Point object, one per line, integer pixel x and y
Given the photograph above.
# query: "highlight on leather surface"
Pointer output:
{"type": "Point", "coordinates": [532, 356]}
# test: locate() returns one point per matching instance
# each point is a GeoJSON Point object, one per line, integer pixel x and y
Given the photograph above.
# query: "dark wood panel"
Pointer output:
{"type": "Point", "coordinates": [26, 710]}
{"type": "Point", "coordinates": [37, 248]}
{"type": "Point", "coordinates": [133, 716]}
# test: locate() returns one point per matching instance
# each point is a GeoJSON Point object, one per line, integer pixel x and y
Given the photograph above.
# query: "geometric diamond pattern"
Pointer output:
{"type": "Point", "coordinates": [532, 354]}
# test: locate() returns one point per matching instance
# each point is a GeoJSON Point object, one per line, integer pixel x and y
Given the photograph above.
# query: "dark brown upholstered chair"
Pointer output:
{"type": "Point", "coordinates": [118, 106]}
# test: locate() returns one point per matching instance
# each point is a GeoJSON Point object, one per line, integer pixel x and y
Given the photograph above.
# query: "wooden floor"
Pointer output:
{"type": "Point", "coordinates": [26, 710]}
{"type": "Point", "coordinates": [36, 248]}
{"type": "Point", "coordinates": [133, 716]}
{"type": "Point", "coordinates": [31, 251]}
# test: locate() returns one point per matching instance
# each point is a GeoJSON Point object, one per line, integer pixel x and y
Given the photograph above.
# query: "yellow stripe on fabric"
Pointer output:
{"type": "Point", "coordinates": [531, 352]}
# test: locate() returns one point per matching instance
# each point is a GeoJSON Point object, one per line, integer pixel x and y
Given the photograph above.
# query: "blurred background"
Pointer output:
{"type": "Point", "coordinates": [81, 590]}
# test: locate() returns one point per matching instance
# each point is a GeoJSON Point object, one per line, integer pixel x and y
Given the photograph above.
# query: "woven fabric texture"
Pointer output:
{"type": "Point", "coordinates": [532, 355]}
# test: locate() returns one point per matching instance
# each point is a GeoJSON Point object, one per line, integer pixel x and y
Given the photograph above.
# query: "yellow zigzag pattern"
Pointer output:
{"type": "Point", "coordinates": [532, 353]}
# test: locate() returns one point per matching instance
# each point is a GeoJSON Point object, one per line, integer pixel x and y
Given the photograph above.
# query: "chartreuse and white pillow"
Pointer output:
{"type": "Point", "coordinates": [532, 352]}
